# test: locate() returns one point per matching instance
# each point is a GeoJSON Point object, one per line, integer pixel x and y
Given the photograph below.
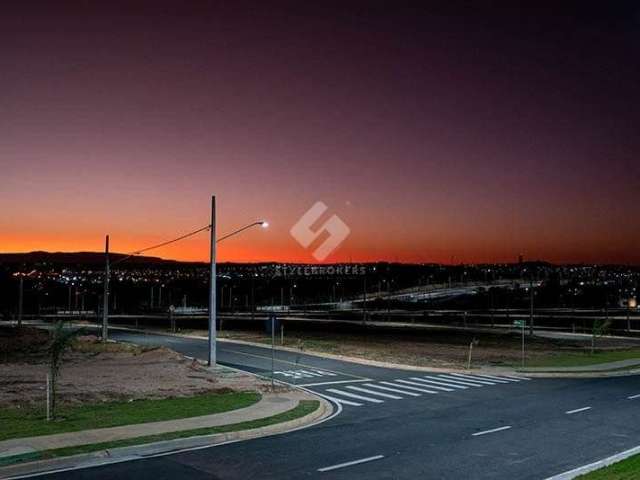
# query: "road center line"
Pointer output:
{"type": "Point", "coordinates": [349, 464]}
{"type": "Point", "coordinates": [578, 410]}
{"type": "Point", "coordinates": [633, 397]}
{"type": "Point", "coordinates": [493, 430]}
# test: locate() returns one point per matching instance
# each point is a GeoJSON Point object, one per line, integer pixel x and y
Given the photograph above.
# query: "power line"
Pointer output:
{"type": "Point", "coordinates": [187, 235]}
{"type": "Point", "coordinates": [168, 242]}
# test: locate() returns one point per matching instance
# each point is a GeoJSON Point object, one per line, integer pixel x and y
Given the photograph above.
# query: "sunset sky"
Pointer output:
{"type": "Point", "coordinates": [437, 134]}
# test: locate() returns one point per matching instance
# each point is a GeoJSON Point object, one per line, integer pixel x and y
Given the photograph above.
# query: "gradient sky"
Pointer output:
{"type": "Point", "coordinates": [438, 134]}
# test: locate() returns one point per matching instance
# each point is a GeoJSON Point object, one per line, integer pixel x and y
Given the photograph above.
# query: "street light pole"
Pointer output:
{"type": "Point", "coordinates": [105, 303]}
{"type": "Point", "coordinates": [212, 287]}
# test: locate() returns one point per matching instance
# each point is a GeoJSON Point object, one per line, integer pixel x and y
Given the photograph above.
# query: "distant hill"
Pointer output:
{"type": "Point", "coordinates": [81, 259]}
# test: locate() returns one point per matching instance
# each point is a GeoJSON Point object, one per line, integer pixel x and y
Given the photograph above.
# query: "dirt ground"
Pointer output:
{"type": "Point", "coordinates": [95, 372]}
{"type": "Point", "coordinates": [432, 348]}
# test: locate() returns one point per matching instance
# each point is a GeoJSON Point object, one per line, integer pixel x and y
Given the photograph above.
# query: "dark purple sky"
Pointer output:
{"type": "Point", "coordinates": [466, 132]}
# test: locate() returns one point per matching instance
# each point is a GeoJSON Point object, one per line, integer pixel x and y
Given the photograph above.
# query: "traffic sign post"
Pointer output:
{"type": "Point", "coordinates": [521, 324]}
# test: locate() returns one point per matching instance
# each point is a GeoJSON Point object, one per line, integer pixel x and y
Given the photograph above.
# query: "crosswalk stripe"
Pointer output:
{"type": "Point", "coordinates": [339, 400]}
{"type": "Point", "coordinates": [416, 384]}
{"type": "Point", "coordinates": [402, 392]}
{"type": "Point", "coordinates": [311, 373]}
{"type": "Point", "coordinates": [515, 378]}
{"type": "Point", "coordinates": [372, 392]}
{"type": "Point", "coordinates": [391, 384]}
{"type": "Point", "coordinates": [492, 377]}
{"type": "Point", "coordinates": [440, 381]}
{"type": "Point", "coordinates": [426, 383]}
{"type": "Point", "coordinates": [459, 380]}
{"type": "Point", "coordinates": [353, 395]}
{"type": "Point", "coordinates": [471, 379]}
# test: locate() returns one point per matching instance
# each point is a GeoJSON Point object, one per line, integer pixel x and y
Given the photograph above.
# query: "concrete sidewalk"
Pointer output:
{"type": "Point", "coordinates": [268, 406]}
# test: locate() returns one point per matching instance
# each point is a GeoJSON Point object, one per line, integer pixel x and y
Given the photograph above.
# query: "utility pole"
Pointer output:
{"type": "Point", "coordinates": [20, 299]}
{"type": "Point", "coordinates": [212, 287]}
{"type": "Point", "coordinates": [523, 353]}
{"type": "Point", "coordinates": [364, 300]}
{"type": "Point", "coordinates": [273, 347]}
{"type": "Point", "coordinates": [105, 305]}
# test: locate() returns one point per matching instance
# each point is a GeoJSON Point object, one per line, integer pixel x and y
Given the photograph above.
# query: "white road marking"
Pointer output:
{"type": "Point", "coordinates": [402, 392]}
{"type": "Point", "coordinates": [407, 387]}
{"type": "Point", "coordinates": [335, 382]}
{"type": "Point", "coordinates": [353, 395]}
{"type": "Point", "coordinates": [313, 374]}
{"type": "Point", "coordinates": [493, 430]}
{"type": "Point", "coordinates": [372, 392]}
{"type": "Point", "coordinates": [458, 380]}
{"type": "Point", "coordinates": [478, 378]}
{"type": "Point", "coordinates": [633, 397]}
{"type": "Point", "coordinates": [578, 410]}
{"type": "Point", "coordinates": [435, 381]}
{"type": "Point", "coordinates": [514, 378]}
{"type": "Point", "coordinates": [349, 464]}
{"type": "Point", "coordinates": [279, 360]}
{"type": "Point", "coordinates": [493, 377]}
{"type": "Point", "coordinates": [408, 382]}
{"type": "Point", "coordinates": [467, 378]}
{"type": "Point", "coordinates": [338, 400]}
{"type": "Point", "coordinates": [427, 383]}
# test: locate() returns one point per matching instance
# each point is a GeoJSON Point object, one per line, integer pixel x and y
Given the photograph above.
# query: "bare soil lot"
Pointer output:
{"type": "Point", "coordinates": [96, 372]}
{"type": "Point", "coordinates": [432, 348]}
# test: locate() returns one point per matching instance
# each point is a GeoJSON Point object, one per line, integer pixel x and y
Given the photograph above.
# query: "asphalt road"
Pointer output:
{"type": "Point", "coordinates": [401, 424]}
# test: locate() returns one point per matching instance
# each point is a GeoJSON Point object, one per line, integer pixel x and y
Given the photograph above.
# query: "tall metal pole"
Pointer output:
{"type": "Point", "coordinates": [105, 304]}
{"type": "Point", "coordinates": [212, 287]}
{"type": "Point", "coordinates": [273, 346]}
{"type": "Point", "coordinates": [20, 299]}
{"type": "Point", "coordinates": [531, 308]}
{"type": "Point", "coordinates": [364, 300]}
{"type": "Point", "coordinates": [523, 355]}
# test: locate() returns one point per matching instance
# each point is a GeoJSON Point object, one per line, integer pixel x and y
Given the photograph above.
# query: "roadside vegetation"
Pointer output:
{"type": "Point", "coordinates": [304, 408]}
{"type": "Point", "coordinates": [20, 422]}
{"type": "Point", "coordinates": [628, 469]}
{"type": "Point", "coordinates": [584, 358]}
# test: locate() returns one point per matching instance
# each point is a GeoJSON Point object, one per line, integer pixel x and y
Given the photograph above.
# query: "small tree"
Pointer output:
{"type": "Point", "coordinates": [61, 340]}
{"type": "Point", "coordinates": [600, 328]}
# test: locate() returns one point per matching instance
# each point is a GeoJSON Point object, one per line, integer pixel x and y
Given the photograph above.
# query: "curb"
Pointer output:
{"type": "Point", "coordinates": [578, 375]}
{"type": "Point", "coordinates": [162, 448]}
{"type": "Point", "coordinates": [576, 472]}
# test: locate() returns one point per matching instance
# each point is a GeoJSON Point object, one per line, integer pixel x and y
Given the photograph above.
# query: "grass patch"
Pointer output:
{"type": "Point", "coordinates": [583, 358]}
{"type": "Point", "coordinates": [20, 423]}
{"type": "Point", "coordinates": [628, 469]}
{"type": "Point", "coordinates": [304, 407]}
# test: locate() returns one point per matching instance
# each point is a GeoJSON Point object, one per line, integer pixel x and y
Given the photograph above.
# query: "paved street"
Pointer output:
{"type": "Point", "coordinates": [404, 424]}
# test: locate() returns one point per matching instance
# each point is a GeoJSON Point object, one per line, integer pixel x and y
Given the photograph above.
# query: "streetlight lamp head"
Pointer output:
{"type": "Point", "coordinates": [264, 224]}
